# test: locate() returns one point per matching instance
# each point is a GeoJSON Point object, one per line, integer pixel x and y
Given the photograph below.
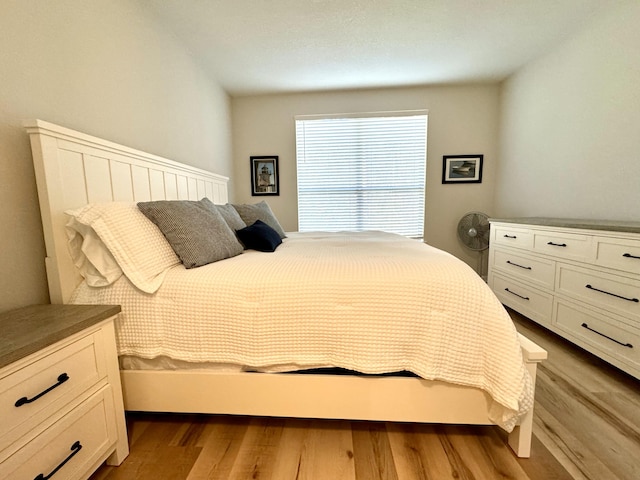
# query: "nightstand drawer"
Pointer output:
{"type": "Point", "coordinates": [565, 245]}
{"type": "Point", "coordinates": [533, 303]}
{"type": "Point", "coordinates": [621, 254]}
{"type": "Point", "coordinates": [74, 443]}
{"type": "Point", "coordinates": [609, 292]}
{"type": "Point", "coordinates": [44, 383]}
{"type": "Point", "coordinates": [536, 270]}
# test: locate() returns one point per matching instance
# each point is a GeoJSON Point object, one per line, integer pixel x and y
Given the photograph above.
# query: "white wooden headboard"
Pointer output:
{"type": "Point", "coordinates": [73, 169]}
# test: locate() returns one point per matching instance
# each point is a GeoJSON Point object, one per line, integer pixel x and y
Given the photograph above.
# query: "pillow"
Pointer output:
{"type": "Point", "coordinates": [229, 214]}
{"type": "Point", "coordinates": [259, 211]}
{"type": "Point", "coordinates": [196, 233]}
{"type": "Point", "coordinates": [90, 255]}
{"type": "Point", "coordinates": [139, 248]}
{"type": "Point", "coordinates": [259, 236]}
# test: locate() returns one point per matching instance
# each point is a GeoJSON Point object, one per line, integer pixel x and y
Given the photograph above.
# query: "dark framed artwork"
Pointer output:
{"type": "Point", "coordinates": [462, 168]}
{"type": "Point", "coordinates": [264, 175]}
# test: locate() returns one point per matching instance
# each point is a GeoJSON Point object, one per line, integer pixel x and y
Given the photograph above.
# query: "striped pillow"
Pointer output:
{"type": "Point", "coordinates": [197, 234]}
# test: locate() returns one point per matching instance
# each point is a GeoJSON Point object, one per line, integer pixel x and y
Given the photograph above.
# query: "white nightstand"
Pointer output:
{"type": "Point", "coordinates": [61, 407]}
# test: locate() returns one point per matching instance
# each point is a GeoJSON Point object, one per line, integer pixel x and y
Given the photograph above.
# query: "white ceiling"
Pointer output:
{"type": "Point", "coordinates": [268, 46]}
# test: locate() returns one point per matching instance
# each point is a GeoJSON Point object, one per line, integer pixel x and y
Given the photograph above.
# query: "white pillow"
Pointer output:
{"type": "Point", "coordinates": [91, 256]}
{"type": "Point", "coordinates": [137, 245]}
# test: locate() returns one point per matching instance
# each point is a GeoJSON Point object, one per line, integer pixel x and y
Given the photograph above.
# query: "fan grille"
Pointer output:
{"type": "Point", "coordinates": [473, 230]}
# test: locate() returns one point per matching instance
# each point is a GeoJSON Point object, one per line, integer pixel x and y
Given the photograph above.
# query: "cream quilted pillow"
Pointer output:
{"type": "Point", "coordinates": [90, 255]}
{"type": "Point", "coordinates": [143, 253]}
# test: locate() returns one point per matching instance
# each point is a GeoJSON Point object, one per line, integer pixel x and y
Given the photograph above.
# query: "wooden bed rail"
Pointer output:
{"type": "Point", "coordinates": [394, 399]}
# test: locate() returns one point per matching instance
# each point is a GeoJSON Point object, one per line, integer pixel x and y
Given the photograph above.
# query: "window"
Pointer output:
{"type": "Point", "coordinates": [364, 172]}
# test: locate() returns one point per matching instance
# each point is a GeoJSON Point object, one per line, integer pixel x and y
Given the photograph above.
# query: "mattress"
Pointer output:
{"type": "Point", "coordinates": [370, 302]}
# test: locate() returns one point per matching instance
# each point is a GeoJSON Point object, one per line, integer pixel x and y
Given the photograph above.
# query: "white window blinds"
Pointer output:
{"type": "Point", "coordinates": [362, 172]}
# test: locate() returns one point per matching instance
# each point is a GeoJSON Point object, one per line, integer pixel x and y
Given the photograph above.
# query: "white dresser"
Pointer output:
{"type": "Point", "coordinates": [61, 407]}
{"type": "Point", "coordinates": [580, 279]}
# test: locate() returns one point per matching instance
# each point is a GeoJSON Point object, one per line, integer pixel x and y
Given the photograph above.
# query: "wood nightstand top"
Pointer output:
{"type": "Point", "coordinates": [27, 330]}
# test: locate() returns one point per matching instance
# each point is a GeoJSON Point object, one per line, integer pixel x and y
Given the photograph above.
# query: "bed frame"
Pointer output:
{"type": "Point", "coordinates": [73, 169]}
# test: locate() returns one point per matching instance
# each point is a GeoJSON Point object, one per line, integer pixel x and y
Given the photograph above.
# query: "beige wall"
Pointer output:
{"type": "Point", "coordinates": [570, 136]}
{"type": "Point", "coordinates": [462, 120]}
{"type": "Point", "coordinates": [104, 68]}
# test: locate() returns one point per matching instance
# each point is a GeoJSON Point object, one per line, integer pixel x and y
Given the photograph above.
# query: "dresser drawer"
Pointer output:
{"type": "Point", "coordinates": [609, 292]}
{"type": "Point", "coordinates": [36, 389]}
{"type": "Point", "coordinates": [83, 437]}
{"type": "Point", "coordinates": [529, 301]}
{"type": "Point", "coordinates": [512, 237]}
{"type": "Point", "coordinates": [539, 271]}
{"type": "Point", "coordinates": [618, 253]}
{"type": "Point", "coordinates": [612, 337]}
{"type": "Point", "coordinates": [571, 246]}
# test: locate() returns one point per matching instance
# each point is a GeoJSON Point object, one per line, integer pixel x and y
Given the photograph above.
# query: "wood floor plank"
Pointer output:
{"type": "Point", "coordinates": [166, 463]}
{"type": "Point", "coordinates": [473, 447]}
{"type": "Point", "coordinates": [581, 454]}
{"type": "Point", "coordinates": [624, 407]}
{"type": "Point", "coordinates": [406, 452]}
{"type": "Point", "coordinates": [190, 432]}
{"type": "Point", "coordinates": [257, 454]}
{"type": "Point", "coordinates": [292, 449]}
{"type": "Point", "coordinates": [542, 464]}
{"type": "Point", "coordinates": [420, 453]}
{"type": "Point", "coordinates": [456, 460]}
{"type": "Point", "coordinates": [373, 458]}
{"type": "Point", "coordinates": [503, 461]}
{"type": "Point", "coordinates": [605, 435]}
{"type": "Point", "coordinates": [153, 457]}
{"type": "Point", "coordinates": [328, 452]}
{"type": "Point", "coordinates": [136, 426]}
{"type": "Point", "coordinates": [221, 443]}
{"type": "Point", "coordinates": [554, 438]}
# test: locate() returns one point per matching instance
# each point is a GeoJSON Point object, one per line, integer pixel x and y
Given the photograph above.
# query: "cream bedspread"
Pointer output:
{"type": "Point", "coordinates": [370, 301]}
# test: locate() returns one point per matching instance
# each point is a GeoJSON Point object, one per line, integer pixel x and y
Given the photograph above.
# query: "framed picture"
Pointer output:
{"type": "Point", "coordinates": [264, 175]}
{"type": "Point", "coordinates": [462, 168]}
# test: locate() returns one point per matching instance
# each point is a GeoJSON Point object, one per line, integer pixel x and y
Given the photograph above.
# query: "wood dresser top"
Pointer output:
{"type": "Point", "coordinates": [605, 225]}
{"type": "Point", "coordinates": [27, 330]}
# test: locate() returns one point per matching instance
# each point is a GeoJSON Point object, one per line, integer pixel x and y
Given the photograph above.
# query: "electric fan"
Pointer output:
{"type": "Point", "coordinates": [473, 232]}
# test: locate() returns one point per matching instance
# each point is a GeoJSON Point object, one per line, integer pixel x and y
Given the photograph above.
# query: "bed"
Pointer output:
{"type": "Point", "coordinates": [75, 171]}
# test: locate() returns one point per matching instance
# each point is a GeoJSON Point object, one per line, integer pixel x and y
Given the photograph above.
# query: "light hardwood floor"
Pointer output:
{"type": "Point", "coordinates": [587, 426]}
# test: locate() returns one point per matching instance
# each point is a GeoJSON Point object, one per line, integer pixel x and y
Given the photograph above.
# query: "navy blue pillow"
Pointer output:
{"type": "Point", "coordinates": [259, 236]}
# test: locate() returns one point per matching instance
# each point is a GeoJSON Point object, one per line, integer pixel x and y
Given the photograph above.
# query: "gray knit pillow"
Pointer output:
{"type": "Point", "coordinates": [259, 211]}
{"type": "Point", "coordinates": [229, 214]}
{"type": "Point", "coordinates": [197, 234]}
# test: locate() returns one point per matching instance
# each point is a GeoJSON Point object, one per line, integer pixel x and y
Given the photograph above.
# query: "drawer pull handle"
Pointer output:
{"type": "Point", "coordinates": [516, 265]}
{"type": "Point", "coordinates": [628, 345]}
{"type": "Point", "coordinates": [75, 448]}
{"type": "Point", "coordinates": [628, 255]}
{"type": "Point", "coordinates": [510, 236]}
{"type": "Point", "coordinates": [63, 377]}
{"type": "Point", "coordinates": [516, 294]}
{"type": "Point", "coordinates": [557, 244]}
{"type": "Point", "coordinates": [612, 294]}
